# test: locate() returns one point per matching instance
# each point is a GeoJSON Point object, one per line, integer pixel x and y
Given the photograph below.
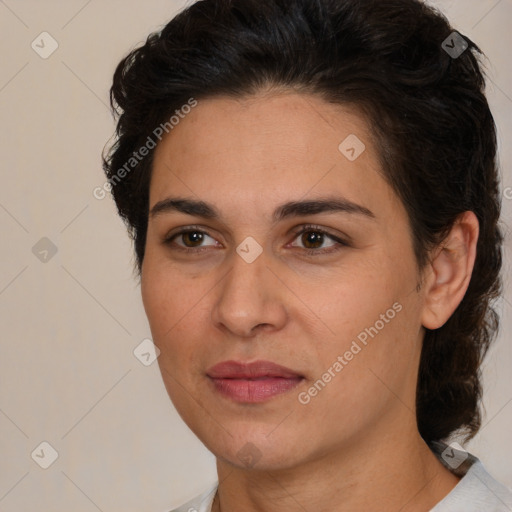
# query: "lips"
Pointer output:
{"type": "Point", "coordinates": [252, 382]}
{"type": "Point", "coordinates": [255, 370]}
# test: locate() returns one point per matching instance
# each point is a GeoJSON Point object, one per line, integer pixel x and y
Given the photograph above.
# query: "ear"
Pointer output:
{"type": "Point", "coordinates": [450, 271]}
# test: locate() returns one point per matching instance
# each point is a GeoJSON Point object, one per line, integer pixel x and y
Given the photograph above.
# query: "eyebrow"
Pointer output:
{"type": "Point", "coordinates": [284, 211]}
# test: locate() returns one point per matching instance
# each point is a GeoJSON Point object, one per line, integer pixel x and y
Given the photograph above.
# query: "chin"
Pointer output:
{"type": "Point", "coordinates": [255, 450]}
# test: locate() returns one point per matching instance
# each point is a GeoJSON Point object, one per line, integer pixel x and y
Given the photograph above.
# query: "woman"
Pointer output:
{"type": "Point", "coordinates": [312, 191]}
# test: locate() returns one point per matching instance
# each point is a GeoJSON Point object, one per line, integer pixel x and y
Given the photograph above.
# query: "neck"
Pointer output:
{"type": "Point", "coordinates": [395, 473]}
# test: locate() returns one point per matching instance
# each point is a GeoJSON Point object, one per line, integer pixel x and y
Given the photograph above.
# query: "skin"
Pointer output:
{"type": "Point", "coordinates": [355, 445]}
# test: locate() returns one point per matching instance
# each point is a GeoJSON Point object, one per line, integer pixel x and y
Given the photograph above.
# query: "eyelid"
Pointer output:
{"type": "Point", "coordinates": [184, 230]}
{"type": "Point", "coordinates": [340, 241]}
{"type": "Point", "coordinates": [326, 231]}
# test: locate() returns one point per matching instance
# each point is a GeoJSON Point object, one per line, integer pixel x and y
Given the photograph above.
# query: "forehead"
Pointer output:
{"type": "Point", "coordinates": [266, 149]}
{"type": "Point", "coordinates": [276, 125]}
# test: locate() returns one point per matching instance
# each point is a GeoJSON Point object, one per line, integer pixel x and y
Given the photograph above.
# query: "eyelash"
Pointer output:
{"type": "Point", "coordinates": [169, 240]}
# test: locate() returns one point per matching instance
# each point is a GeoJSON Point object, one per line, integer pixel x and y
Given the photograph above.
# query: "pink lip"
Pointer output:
{"type": "Point", "coordinates": [252, 382]}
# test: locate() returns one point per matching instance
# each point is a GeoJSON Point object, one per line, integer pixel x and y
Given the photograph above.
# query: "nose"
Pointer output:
{"type": "Point", "coordinates": [249, 298]}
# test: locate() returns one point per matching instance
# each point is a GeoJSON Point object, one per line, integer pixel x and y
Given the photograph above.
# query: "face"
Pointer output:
{"type": "Point", "coordinates": [324, 286]}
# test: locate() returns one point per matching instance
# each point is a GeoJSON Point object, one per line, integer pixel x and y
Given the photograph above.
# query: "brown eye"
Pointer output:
{"type": "Point", "coordinates": [189, 240]}
{"type": "Point", "coordinates": [313, 241]}
{"type": "Point", "coordinates": [192, 238]}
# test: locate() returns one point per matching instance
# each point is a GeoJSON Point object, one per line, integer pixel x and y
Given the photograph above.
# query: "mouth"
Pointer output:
{"type": "Point", "coordinates": [252, 382]}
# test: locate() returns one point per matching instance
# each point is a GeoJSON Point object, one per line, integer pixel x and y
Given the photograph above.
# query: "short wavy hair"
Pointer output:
{"type": "Point", "coordinates": [398, 62]}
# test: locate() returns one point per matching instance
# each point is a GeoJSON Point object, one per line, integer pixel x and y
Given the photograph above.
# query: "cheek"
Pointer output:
{"type": "Point", "coordinates": [358, 383]}
{"type": "Point", "coordinates": [167, 294]}
{"type": "Point", "coordinates": [372, 319]}
{"type": "Point", "coordinates": [353, 300]}
{"type": "Point", "coordinates": [155, 297]}
{"type": "Point", "coordinates": [175, 313]}
{"type": "Point", "coordinates": [164, 302]}
{"type": "Point", "coordinates": [177, 310]}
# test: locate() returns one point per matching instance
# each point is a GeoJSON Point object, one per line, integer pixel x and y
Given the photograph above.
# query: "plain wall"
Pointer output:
{"type": "Point", "coordinates": [68, 375]}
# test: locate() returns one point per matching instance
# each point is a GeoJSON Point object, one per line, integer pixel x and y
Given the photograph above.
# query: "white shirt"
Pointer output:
{"type": "Point", "coordinates": [477, 491]}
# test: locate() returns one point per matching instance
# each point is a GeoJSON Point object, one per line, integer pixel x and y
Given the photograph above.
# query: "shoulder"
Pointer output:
{"type": "Point", "coordinates": [476, 491]}
{"type": "Point", "coordinates": [201, 503]}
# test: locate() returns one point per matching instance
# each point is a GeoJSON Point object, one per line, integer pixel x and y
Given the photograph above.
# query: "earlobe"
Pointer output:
{"type": "Point", "coordinates": [450, 271]}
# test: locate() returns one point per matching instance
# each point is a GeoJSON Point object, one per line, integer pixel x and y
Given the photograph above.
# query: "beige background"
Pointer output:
{"type": "Point", "coordinates": [68, 375]}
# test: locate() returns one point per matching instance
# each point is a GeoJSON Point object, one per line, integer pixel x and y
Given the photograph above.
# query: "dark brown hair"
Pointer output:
{"type": "Point", "coordinates": [422, 90]}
